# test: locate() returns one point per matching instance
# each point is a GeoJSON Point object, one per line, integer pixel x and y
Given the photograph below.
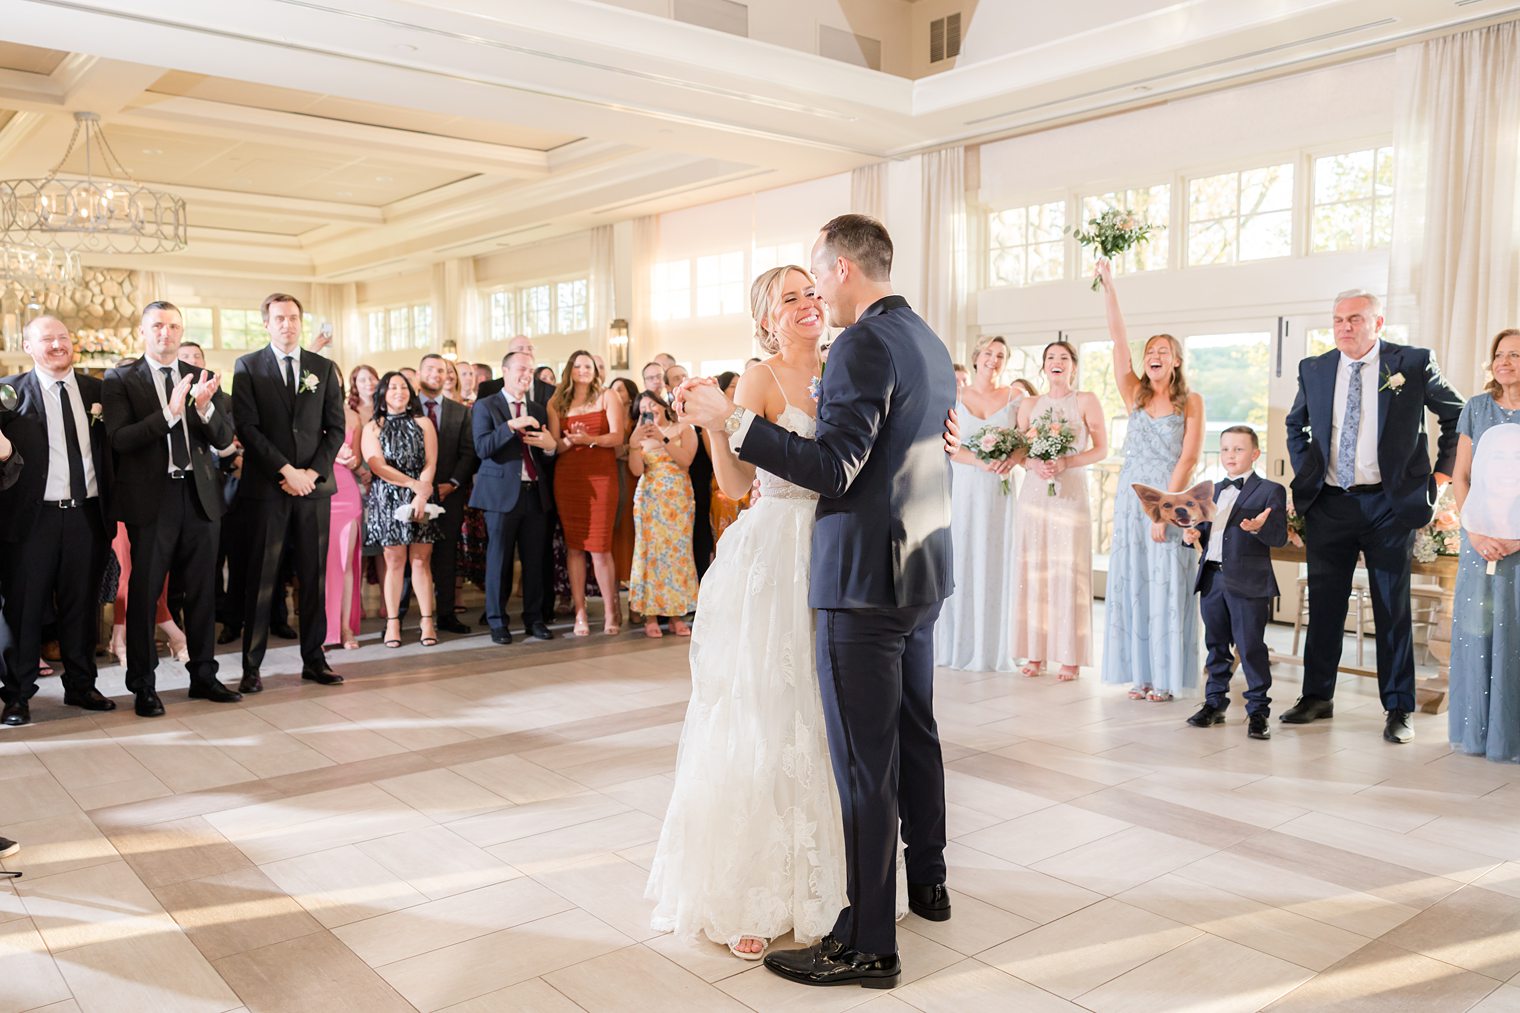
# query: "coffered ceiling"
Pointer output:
{"type": "Point", "coordinates": [341, 139]}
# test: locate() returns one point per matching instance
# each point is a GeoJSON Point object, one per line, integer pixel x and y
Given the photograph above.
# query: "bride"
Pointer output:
{"type": "Point", "coordinates": [753, 841]}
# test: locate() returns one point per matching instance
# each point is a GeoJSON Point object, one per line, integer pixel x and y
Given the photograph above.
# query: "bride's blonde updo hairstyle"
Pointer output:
{"type": "Point", "coordinates": [764, 297]}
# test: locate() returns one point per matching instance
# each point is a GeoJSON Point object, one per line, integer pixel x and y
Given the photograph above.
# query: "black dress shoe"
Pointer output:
{"type": "Point", "coordinates": [540, 631]}
{"type": "Point", "coordinates": [148, 705]}
{"type": "Point", "coordinates": [828, 964]}
{"type": "Point", "coordinates": [1257, 727]}
{"type": "Point", "coordinates": [1206, 717]}
{"type": "Point", "coordinates": [250, 682]}
{"type": "Point", "coordinates": [18, 713]}
{"type": "Point", "coordinates": [229, 634]}
{"type": "Point", "coordinates": [931, 901]}
{"type": "Point", "coordinates": [448, 624]}
{"type": "Point", "coordinates": [323, 676]}
{"type": "Point", "coordinates": [284, 632]}
{"type": "Point", "coordinates": [213, 691]}
{"type": "Point", "coordinates": [1397, 728]}
{"type": "Point", "coordinates": [1308, 708]}
{"type": "Point", "coordinates": [90, 700]}
{"type": "Point", "coordinates": [501, 635]}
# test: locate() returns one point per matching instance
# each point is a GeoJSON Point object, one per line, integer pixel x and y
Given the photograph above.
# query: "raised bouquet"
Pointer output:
{"type": "Point", "coordinates": [1443, 535]}
{"type": "Point", "coordinates": [995, 444]}
{"type": "Point", "coordinates": [1113, 232]}
{"type": "Point", "coordinates": [1050, 436]}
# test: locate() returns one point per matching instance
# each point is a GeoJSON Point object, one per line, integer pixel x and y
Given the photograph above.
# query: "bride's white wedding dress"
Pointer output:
{"type": "Point", "coordinates": [753, 841]}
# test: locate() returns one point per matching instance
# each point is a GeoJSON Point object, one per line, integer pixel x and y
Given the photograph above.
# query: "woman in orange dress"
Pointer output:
{"type": "Point", "coordinates": [588, 426]}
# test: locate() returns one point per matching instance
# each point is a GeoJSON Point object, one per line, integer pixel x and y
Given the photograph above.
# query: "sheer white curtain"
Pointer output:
{"type": "Point", "coordinates": [601, 287]}
{"type": "Point", "coordinates": [868, 191]}
{"type": "Point", "coordinates": [1454, 268]}
{"type": "Point", "coordinates": [339, 305]}
{"type": "Point", "coordinates": [456, 305]}
{"type": "Point", "coordinates": [945, 269]}
{"type": "Point", "coordinates": [646, 247]}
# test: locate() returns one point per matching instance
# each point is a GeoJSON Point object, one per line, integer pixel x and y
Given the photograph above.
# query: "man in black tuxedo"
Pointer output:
{"type": "Point", "coordinates": [167, 422]}
{"type": "Point", "coordinates": [288, 409]}
{"type": "Point", "coordinates": [456, 466]}
{"type": "Point", "coordinates": [1363, 483]}
{"type": "Point", "coordinates": [880, 572]}
{"type": "Point", "coordinates": [57, 519]}
{"type": "Point", "coordinates": [515, 446]}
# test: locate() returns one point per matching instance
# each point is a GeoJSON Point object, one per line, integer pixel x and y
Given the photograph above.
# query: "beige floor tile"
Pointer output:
{"type": "Point", "coordinates": [1502, 879]}
{"type": "Point", "coordinates": [536, 818]}
{"type": "Point", "coordinates": [138, 789]}
{"type": "Point", "coordinates": [607, 749]}
{"type": "Point", "coordinates": [95, 905]}
{"type": "Point", "coordinates": [1119, 861]}
{"type": "Point", "coordinates": [349, 816]}
{"type": "Point", "coordinates": [610, 888]}
{"type": "Point", "coordinates": [1165, 817]}
{"type": "Point", "coordinates": [235, 911]}
{"type": "Point", "coordinates": [178, 850]}
{"type": "Point", "coordinates": [1347, 869]}
{"type": "Point", "coordinates": [388, 938]}
{"type": "Point", "coordinates": [444, 796]}
{"type": "Point", "coordinates": [518, 780]}
{"type": "Point", "coordinates": [29, 977]}
{"type": "Point", "coordinates": [1475, 834]}
{"type": "Point", "coordinates": [436, 862]}
{"type": "Point", "coordinates": [974, 987]}
{"type": "Point", "coordinates": [1026, 777]}
{"type": "Point", "coordinates": [342, 885]}
{"type": "Point", "coordinates": [34, 797]}
{"type": "Point", "coordinates": [1436, 859]}
{"type": "Point", "coordinates": [314, 972]}
{"type": "Point", "coordinates": [151, 972]}
{"type": "Point", "coordinates": [764, 991]}
{"type": "Point", "coordinates": [242, 822]}
{"type": "Point", "coordinates": [707, 960]}
{"type": "Point", "coordinates": [11, 907]}
{"type": "Point", "coordinates": [1473, 928]}
{"type": "Point", "coordinates": [559, 848]}
{"type": "Point", "coordinates": [86, 761]}
{"type": "Point", "coordinates": [991, 797]}
{"type": "Point", "coordinates": [67, 1006]}
{"type": "Point", "coordinates": [1218, 802]}
{"type": "Point", "coordinates": [1086, 949]}
{"type": "Point", "coordinates": [1271, 930]}
{"type": "Point", "coordinates": [486, 963]}
{"type": "Point", "coordinates": [649, 795]}
{"type": "Point", "coordinates": [57, 844]}
{"type": "Point", "coordinates": [1381, 978]}
{"type": "Point", "coordinates": [531, 996]}
{"type": "Point", "coordinates": [1204, 975]}
{"type": "Point", "coordinates": [639, 980]}
{"type": "Point", "coordinates": [1044, 834]}
{"type": "Point", "coordinates": [975, 925]}
{"type": "Point", "coordinates": [188, 766]}
{"type": "Point", "coordinates": [1074, 762]}
{"type": "Point", "coordinates": [1505, 999]}
{"type": "Point", "coordinates": [1024, 892]}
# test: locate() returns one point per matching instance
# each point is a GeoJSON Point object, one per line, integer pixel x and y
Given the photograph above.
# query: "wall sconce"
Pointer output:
{"type": "Point", "coordinates": [617, 343]}
{"type": "Point", "coordinates": [450, 350]}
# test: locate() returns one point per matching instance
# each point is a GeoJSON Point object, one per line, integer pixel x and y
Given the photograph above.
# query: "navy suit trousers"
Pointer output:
{"type": "Point", "coordinates": [1230, 622]}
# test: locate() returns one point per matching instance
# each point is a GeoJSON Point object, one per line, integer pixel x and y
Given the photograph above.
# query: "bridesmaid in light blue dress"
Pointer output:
{"type": "Point", "coordinates": [1151, 641]}
{"type": "Point", "coordinates": [1484, 711]}
{"type": "Point", "coordinates": [973, 632]}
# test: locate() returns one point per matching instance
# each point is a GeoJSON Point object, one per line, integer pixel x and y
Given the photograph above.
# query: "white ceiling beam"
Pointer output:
{"type": "Point", "coordinates": [320, 211]}
{"type": "Point", "coordinates": [20, 89]}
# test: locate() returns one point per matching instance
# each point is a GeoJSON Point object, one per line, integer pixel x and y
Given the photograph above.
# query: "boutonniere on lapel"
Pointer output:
{"type": "Point", "coordinates": [309, 382]}
{"type": "Point", "coordinates": [815, 387]}
{"type": "Point", "coordinates": [1391, 381]}
{"type": "Point", "coordinates": [96, 413]}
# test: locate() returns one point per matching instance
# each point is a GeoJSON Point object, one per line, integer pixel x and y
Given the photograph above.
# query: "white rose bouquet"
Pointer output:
{"type": "Point", "coordinates": [995, 444]}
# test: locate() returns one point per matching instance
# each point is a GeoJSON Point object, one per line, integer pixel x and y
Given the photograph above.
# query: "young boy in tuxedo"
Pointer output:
{"type": "Point", "coordinates": [1235, 580]}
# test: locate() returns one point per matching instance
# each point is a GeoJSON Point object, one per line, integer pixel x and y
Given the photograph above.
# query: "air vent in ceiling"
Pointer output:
{"type": "Point", "coordinates": [945, 38]}
{"type": "Point", "coordinates": [847, 47]}
{"type": "Point", "coordinates": [719, 15]}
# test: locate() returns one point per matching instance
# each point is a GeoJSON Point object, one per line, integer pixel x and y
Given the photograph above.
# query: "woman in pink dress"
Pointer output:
{"type": "Point", "coordinates": [343, 608]}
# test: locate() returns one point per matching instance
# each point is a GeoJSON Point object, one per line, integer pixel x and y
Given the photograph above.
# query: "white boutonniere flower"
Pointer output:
{"type": "Point", "coordinates": [309, 383]}
{"type": "Point", "coordinates": [1392, 381]}
{"type": "Point", "coordinates": [96, 413]}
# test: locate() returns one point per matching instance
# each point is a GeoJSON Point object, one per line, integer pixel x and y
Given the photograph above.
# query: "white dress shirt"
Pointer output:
{"type": "Point", "coordinates": [515, 412]}
{"type": "Point", "coordinates": [1222, 507]}
{"type": "Point", "coordinates": [1367, 471]}
{"type": "Point", "coordinates": [735, 440]}
{"type": "Point", "coordinates": [294, 355]}
{"type": "Point", "coordinates": [57, 487]}
{"type": "Point", "coordinates": [163, 403]}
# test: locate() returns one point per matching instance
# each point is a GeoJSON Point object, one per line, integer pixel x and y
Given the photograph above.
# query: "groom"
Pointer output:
{"type": "Point", "coordinates": [880, 571]}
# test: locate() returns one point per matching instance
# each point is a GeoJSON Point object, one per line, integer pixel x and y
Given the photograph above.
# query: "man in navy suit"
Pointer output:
{"type": "Point", "coordinates": [880, 572]}
{"type": "Point", "coordinates": [1236, 582]}
{"type": "Point", "coordinates": [513, 442]}
{"type": "Point", "coordinates": [1363, 483]}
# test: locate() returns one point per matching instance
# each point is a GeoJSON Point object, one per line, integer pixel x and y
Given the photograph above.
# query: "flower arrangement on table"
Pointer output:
{"type": "Point", "coordinates": [996, 444]}
{"type": "Point", "coordinates": [1050, 437]}
{"type": "Point", "coordinates": [1113, 232]}
{"type": "Point", "coordinates": [1443, 535]}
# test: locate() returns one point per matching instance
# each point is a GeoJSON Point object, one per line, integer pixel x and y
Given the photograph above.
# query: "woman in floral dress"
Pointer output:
{"type": "Point", "coordinates": [664, 578]}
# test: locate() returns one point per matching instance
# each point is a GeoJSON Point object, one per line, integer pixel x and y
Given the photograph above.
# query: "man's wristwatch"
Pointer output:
{"type": "Point", "coordinates": [733, 422]}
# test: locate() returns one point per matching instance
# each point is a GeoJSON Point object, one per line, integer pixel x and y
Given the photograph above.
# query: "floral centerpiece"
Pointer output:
{"type": "Point", "coordinates": [1113, 232]}
{"type": "Point", "coordinates": [996, 444]}
{"type": "Point", "coordinates": [1443, 535]}
{"type": "Point", "coordinates": [1050, 437]}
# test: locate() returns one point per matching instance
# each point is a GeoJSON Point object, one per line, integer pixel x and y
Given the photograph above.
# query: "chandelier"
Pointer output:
{"type": "Point", "coordinates": [33, 267]}
{"type": "Point", "coordinates": [112, 213]}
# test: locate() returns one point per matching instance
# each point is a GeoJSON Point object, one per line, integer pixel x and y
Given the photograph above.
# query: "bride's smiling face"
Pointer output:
{"type": "Point", "coordinates": [797, 313]}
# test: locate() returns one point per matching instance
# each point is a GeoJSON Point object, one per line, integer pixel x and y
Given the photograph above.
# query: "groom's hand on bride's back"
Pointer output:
{"type": "Point", "coordinates": [952, 432]}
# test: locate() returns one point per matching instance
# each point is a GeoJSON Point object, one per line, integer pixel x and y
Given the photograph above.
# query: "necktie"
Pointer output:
{"type": "Point", "coordinates": [290, 374]}
{"type": "Point", "coordinates": [529, 471]}
{"type": "Point", "coordinates": [1351, 424]}
{"type": "Point", "coordinates": [1238, 483]}
{"type": "Point", "coordinates": [71, 441]}
{"type": "Point", "coordinates": [179, 449]}
{"type": "Point", "coordinates": [432, 412]}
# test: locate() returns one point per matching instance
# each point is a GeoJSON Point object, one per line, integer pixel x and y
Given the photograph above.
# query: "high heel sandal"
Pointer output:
{"type": "Point", "coordinates": [428, 641]}
{"type": "Point", "coordinates": [733, 947]}
{"type": "Point", "coordinates": [1033, 670]}
{"type": "Point", "coordinates": [396, 642]}
{"type": "Point", "coordinates": [582, 626]}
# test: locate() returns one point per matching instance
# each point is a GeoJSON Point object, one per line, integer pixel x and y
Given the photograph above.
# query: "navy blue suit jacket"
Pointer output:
{"type": "Point", "coordinates": [883, 534]}
{"type": "Point", "coordinates": [1403, 444]}
{"type": "Point", "coordinates": [1247, 555]}
{"type": "Point", "coordinates": [498, 481]}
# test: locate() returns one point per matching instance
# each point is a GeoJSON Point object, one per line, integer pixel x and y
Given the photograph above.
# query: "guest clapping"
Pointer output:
{"type": "Point", "coordinates": [664, 579]}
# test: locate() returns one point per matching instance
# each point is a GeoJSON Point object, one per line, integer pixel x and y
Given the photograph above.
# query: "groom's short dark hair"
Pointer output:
{"type": "Point", "coordinates": [863, 241]}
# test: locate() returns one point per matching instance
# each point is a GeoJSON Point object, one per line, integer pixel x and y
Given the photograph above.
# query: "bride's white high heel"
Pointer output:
{"type": "Point", "coordinates": [733, 947]}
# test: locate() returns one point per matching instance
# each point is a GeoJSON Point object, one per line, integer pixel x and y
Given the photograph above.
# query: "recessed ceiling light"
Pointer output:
{"type": "Point", "coordinates": [384, 179]}
{"type": "Point", "coordinates": [153, 151]}
{"type": "Point", "coordinates": [345, 193]}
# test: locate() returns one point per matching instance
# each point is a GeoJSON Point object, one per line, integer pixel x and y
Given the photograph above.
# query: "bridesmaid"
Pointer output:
{"type": "Point", "coordinates": [363, 381]}
{"type": "Point", "coordinates": [1484, 719]}
{"type": "Point", "coordinates": [343, 608]}
{"type": "Point", "coordinates": [588, 425]}
{"type": "Point", "coordinates": [664, 578]}
{"type": "Point", "coordinates": [973, 632]}
{"type": "Point", "coordinates": [1052, 595]}
{"type": "Point", "coordinates": [1152, 630]}
{"type": "Point", "coordinates": [623, 528]}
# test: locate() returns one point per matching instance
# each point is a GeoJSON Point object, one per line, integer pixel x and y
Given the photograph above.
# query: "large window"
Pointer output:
{"type": "Point", "coordinates": [242, 329]}
{"type": "Point", "coordinates": [1321, 339]}
{"type": "Point", "coordinates": [537, 309]}
{"type": "Point", "coordinates": [1151, 204]}
{"type": "Point", "coordinates": [422, 325]}
{"type": "Point", "coordinates": [1245, 215]}
{"type": "Point", "coordinates": [766, 257]}
{"type": "Point", "coordinates": [1231, 372]}
{"type": "Point", "coordinates": [1353, 201]}
{"type": "Point", "coordinates": [571, 301]}
{"type": "Point", "coordinates": [200, 325]}
{"type": "Point", "coordinates": [398, 326]}
{"type": "Point", "coordinates": [720, 284]}
{"type": "Point", "coordinates": [670, 290]}
{"type": "Point", "coordinates": [375, 327]}
{"type": "Point", "coordinates": [502, 322]}
{"type": "Point", "coordinates": [1026, 244]}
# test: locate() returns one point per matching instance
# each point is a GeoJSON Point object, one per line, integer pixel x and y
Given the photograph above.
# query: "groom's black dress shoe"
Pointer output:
{"type": "Point", "coordinates": [251, 683]}
{"type": "Point", "coordinates": [90, 700]}
{"type": "Point", "coordinates": [147, 704]}
{"type": "Point", "coordinates": [930, 901]}
{"type": "Point", "coordinates": [1397, 728]}
{"type": "Point", "coordinates": [1308, 708]}
{"type": "Point", "coordinates": [828, 963]}
{"type": "Point", "coordinates": [1206, 716]}
{"type": "Point", "coordinates": [322, 675]}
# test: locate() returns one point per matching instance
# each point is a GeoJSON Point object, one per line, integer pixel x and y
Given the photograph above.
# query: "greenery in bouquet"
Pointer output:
{"type": "Point", "coordinates": [995, 444]}
{"type": "Point", "coordinates": [1295, 527]}
{"type": "Point", "coordinates": [1443, 535]}
{"type": "Point", "coordinates": [1050, 436]}
{"type": "Point", "coordinates": [1113, 232]}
